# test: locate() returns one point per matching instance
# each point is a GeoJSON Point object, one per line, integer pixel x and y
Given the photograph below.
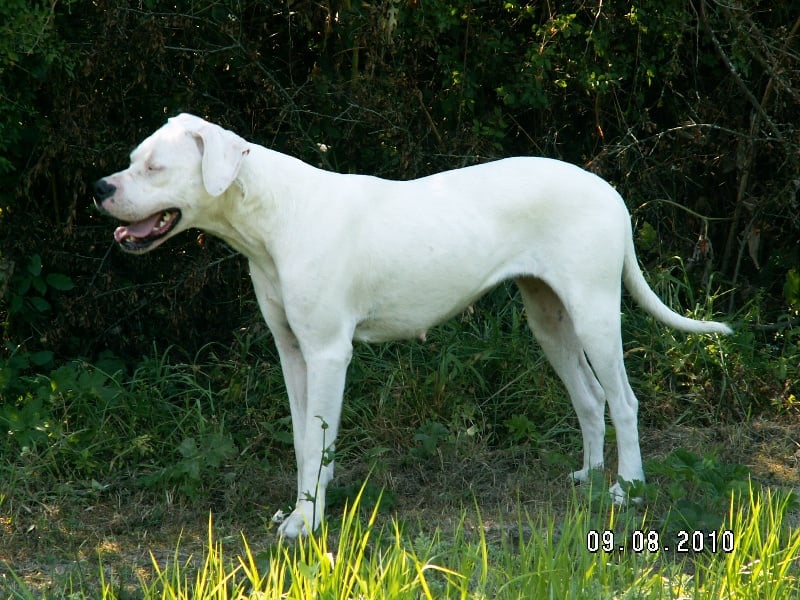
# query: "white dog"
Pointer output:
{"type": "Point", "coordinates": [336, 258]}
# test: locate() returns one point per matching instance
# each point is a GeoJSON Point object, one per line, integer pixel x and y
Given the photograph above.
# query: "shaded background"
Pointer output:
{"type": "Point", "coordinates": [689, 108]}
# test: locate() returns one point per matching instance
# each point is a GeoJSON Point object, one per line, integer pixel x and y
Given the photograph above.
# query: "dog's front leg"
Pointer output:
{"type": "Point", "coordinates": [295, 376]}
{"type": "Point", "coordinates": [316, 436]}
{"type": "Point", "coordinates": [293, 364]}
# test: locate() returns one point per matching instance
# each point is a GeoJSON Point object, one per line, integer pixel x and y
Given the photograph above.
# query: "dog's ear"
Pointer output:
{"type": "Point", "coordinates": [223, 152]}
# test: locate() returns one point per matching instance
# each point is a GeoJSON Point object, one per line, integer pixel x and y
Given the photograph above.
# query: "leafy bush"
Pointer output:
{"type": "Point", "coordinates": [26, 291]}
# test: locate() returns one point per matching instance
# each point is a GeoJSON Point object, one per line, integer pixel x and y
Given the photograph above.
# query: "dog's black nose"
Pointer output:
{"type": "Point", "coordinates": [102, 190]}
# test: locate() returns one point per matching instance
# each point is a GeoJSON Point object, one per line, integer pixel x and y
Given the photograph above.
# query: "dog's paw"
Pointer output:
{"type": "Point", "coordinates": [293, 527]}
{"type": "Point", "coordinates": [619, 493]}
{"type": "Point", "coordinates": [581, 476]}
{"type": "Point", "coordinates": [300, 522]}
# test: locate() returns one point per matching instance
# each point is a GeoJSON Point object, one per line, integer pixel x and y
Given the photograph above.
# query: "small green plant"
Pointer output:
{"type": "Point", "coordinates": [521, 429]}
{"type": "Point", "coordinates": [326, 459]}
{"type": "Point", "coordinates": [430, 438]}
{"type": "Point", "coordinates": [698, 489]}
{"type": "Point", "coordinates": [26, 423]}
{"type": "Point", "coordinates": [27, 290]}
{"type": "Point", "coordinates": [200, 457]}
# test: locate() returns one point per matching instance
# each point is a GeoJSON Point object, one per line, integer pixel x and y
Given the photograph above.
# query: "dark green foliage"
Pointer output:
{"type": "Point", "coordinates": [650, 97]}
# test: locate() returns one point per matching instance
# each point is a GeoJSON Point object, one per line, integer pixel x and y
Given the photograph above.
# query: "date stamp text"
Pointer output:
{"type": "Point", "coordinates": [681, 542]}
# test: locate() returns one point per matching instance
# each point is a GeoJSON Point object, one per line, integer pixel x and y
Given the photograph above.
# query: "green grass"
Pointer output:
{"type": "Point", "coordinates": [537, 555]}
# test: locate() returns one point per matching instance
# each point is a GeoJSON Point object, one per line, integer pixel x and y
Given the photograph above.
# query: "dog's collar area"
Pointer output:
{"type": "Point", "coordinates": [140, 235]}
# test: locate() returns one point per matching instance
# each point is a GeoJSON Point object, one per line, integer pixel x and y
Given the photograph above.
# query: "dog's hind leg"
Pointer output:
{"type": "Point", "coordinates": [553, 328]}
{"type": "Point", "coordinates": [597, 325]}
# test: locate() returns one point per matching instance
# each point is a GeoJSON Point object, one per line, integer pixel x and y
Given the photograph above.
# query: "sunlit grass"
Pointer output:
{"type": "Point", "coordinates": [537, 556]}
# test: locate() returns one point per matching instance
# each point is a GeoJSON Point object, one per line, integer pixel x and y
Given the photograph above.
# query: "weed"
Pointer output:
{"type": "Point", "coordinates": [430, 438]}
{"type": "Point", "coordinates": [698, 490]}
{"type": "Point", "coordinates": [200, 458]}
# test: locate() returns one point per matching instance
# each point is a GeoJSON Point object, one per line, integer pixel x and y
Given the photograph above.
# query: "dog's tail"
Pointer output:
{"type": "Point", "coordinates": [647, 299]}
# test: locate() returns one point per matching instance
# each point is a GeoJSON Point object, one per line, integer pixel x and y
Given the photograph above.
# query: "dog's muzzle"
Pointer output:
{"type": "Point", "coordinates": [137, 236]}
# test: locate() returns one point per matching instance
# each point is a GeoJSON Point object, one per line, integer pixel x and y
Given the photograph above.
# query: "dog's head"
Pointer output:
{"type": "Point", "coordinates": [182, 166]}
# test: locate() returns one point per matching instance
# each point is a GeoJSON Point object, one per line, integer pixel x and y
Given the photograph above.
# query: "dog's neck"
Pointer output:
{"type": "Point", "coordinates": [251, 212]}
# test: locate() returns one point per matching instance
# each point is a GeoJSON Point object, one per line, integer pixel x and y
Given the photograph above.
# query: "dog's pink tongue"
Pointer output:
{"type": "Point", "coordinates": [140, 229]}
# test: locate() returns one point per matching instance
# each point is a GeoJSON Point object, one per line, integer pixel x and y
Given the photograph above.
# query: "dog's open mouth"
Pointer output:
{"type": "Point", "coordinates": [140, 235]}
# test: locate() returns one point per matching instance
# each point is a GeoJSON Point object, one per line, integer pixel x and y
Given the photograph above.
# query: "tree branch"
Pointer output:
{"type": "Point", "coordinates": [738, 80]}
